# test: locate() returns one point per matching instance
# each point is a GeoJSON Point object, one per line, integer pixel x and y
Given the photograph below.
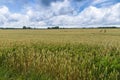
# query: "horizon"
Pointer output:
{"type": "Point", "coordinates": [64, 27]}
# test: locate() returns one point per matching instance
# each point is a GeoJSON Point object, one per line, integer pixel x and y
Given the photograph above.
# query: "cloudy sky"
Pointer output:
{"type": "Point", "coordinates": [40, 13]}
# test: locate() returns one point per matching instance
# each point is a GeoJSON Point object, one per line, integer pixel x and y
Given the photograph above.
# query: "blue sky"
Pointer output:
{"type": "Point", "coordinates": [68, 13]}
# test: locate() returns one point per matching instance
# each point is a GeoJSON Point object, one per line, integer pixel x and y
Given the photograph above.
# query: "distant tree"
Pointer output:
{"type": "Point", "coordinates": [112, 27]}
{"type": "Point", "coordinates": [56, 27]}
{"type": "Point", "coordinates": [29, 28]}
{"type": "Point", "coordinates": [48, 28]}
{"type": "Point", "coordinates": [24, 27]}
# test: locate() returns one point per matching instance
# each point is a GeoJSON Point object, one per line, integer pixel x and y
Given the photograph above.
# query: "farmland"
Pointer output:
{"type": "Point", "coordinates": [60, 54]}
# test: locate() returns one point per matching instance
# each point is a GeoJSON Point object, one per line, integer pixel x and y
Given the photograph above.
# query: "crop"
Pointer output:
{"type": "Point", "coordinates": [56, 60]}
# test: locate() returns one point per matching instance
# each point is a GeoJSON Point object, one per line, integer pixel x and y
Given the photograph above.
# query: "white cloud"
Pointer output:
{"type": "Point", "coordinates": [4, 10]}
{"type": "Point", "coordinates": [4, 13]}
{"type": "Point", "coordinates": [91, 16]}
{"type": "Point", "coordinates": [62, 8]}
{"type": "Point", "coordinates": [61, 13]}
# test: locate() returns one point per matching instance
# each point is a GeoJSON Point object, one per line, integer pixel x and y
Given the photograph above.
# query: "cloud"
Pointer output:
{"type": "Point", "coordinates": [48, 2]}
{"type": "Point", "coordinates": [91, 16]}
{"type": "Point", "coordinates": [4, 10]}
{"type": "Point", "coordinates": [4, 13]}
{"type": "Point", "coordinates": [102, 16]}
{"type": "Point", "coordinates": [61, 13]}
{"type": "Point", "coordinates": [62, 8]}
{"type": "Point", "coordinates": [104, 3]}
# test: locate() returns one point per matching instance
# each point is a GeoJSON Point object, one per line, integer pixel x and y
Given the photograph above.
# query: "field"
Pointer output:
{"type": "Point", "coordinates": [60, 54]}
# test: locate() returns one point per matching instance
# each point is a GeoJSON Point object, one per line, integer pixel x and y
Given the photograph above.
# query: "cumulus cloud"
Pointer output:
{"type": "Point", "coordinates": [4, 13]}
{"type": "Point", "coordinates": [91, 16]}
{"type": "Point", "coordinates": [61, 8]}
{"type": "Point", "coordinates": [61, 12]}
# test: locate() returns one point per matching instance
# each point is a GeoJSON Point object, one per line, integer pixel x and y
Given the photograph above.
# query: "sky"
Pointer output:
{"type": "Point", "coordinates": [66, 13]}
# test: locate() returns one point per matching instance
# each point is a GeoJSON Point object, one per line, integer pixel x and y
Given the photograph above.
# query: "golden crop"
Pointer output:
{"type": "Point", "coordinates": [63, 54]}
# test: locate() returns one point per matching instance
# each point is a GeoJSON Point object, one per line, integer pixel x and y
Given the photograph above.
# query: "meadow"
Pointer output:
{"type": "Point", "coordinates": [60, 54]}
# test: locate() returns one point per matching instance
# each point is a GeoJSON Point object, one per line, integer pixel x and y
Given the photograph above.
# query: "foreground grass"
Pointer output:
{"type": "Point", "coordinates": [54, 61]}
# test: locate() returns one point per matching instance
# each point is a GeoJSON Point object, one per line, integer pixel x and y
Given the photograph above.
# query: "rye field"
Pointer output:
{"type": "Point", "coordinates": [60, 54]}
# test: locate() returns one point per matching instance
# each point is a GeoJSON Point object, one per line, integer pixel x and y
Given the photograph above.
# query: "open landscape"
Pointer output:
{"type": "Point", "coordinates": [60, 54]}
{"type": "Point", "coordinates": [59, 39]}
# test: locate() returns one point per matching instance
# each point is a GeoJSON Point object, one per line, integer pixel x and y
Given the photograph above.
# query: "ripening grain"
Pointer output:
{"type": "Point", "coordinates": [68, 54]}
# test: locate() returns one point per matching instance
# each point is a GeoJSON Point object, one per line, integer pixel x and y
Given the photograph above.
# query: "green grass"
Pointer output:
{"type": "Point", "coordinates": [70, 54]}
